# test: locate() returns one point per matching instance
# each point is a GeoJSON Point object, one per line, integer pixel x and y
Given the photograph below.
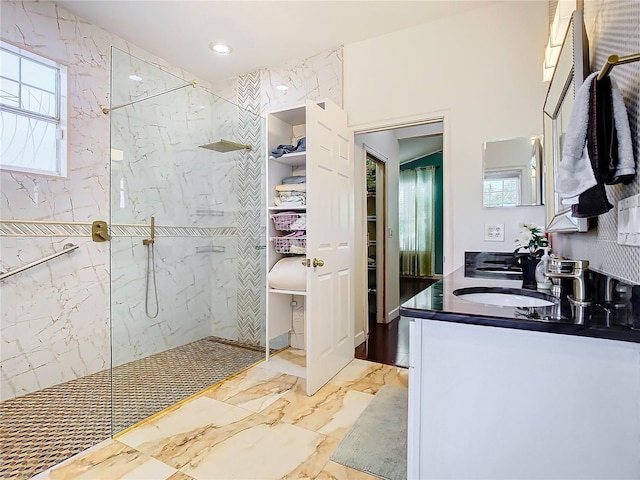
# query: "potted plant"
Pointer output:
{"type": "Point", "coordinates": [529, 251]}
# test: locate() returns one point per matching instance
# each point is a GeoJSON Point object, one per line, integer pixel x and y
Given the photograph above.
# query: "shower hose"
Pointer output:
{"type": "Point", "coordinates": [151, 273]}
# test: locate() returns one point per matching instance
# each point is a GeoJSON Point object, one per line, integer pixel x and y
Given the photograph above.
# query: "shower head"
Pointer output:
{"type": "Point", "coordinates": [226, 146]}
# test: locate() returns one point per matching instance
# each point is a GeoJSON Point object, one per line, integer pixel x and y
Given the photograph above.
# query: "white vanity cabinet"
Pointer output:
{"type": "Point", "coordinates": [327, 163]}
{"type": "Point", "coordinates": [499, 403]}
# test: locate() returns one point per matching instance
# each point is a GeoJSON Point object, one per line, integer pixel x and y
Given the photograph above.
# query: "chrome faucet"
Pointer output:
{"type": "Point", "coordinates": [574, 269]}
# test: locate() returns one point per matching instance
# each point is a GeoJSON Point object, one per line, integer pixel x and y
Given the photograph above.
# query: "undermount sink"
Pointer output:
{"type": "Point", "coordinates": [505, 297]}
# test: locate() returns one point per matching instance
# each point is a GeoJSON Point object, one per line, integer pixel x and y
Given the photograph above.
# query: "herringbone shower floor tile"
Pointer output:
{"type": "Point", "coordinates": [44, 428]}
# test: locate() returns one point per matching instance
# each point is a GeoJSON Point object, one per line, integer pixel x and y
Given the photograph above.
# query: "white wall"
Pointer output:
{"type": "Point", "coordinates": [481, 70]}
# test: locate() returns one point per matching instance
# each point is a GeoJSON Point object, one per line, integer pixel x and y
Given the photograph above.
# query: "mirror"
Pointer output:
{"type": "Point", "coordinates": [570, 72]}
{"type": "Point", "coordinates": [512, 172]}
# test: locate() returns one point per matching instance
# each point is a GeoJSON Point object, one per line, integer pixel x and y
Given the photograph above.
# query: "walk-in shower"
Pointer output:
{"type": "Point", "coordinates": [185, 277]}
{"type": "Point", "coordinates": [180, 290]}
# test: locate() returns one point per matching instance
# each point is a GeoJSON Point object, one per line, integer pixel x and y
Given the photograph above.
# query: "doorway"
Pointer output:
{"type": "Point", "coordinates": [401, 148]}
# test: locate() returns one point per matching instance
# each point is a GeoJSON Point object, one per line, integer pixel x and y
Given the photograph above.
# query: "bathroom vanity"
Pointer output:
{"type": "Point", "coordinates": [521, 392]}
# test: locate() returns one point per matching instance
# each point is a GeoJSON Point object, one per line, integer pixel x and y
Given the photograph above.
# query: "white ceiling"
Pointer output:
{"type": "Point", "coordinates": [418, 147]}
{"type": "Point", "coordinates": [418, 141]}
{"type": "Point", "coordinates": [262, 33]}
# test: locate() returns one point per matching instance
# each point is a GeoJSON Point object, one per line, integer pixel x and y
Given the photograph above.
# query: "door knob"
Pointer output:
{"type": "Point", "coordinates": [318, 263]}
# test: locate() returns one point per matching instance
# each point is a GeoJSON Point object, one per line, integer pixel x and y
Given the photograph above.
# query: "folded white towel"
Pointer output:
{"type": "Point", "coordinates": [300, 223]}
{"type": "Point", "coordinates": [575, 174]}
{"type": "Point", "coordinates": [297, 249]}
{"type": "Point", "coordinates": [292, 187]}
{"type": "Point", "coordinates": [290, 199]}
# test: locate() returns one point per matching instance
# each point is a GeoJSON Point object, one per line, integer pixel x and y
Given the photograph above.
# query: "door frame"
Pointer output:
{"type": "Point", "coordinates": [377, 156]}
{"type": "Point", "coordinates": [443, 116]}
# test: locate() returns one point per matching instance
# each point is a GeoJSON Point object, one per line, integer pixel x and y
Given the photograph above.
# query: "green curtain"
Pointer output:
{"type": "Point", "coordinates": [417, 231]}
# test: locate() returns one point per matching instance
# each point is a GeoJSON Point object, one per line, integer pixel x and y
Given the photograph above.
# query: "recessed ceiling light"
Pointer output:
{"type": "Point", "coordinates": [135, 78]}
{"type": "Point", "coordinates": [221, 48]}
{"type": "Point", "coordinates": [282, 88]}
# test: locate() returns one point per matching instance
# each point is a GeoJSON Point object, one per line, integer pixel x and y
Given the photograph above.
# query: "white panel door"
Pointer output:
{"type": "Point", "coordinates": [330, 227]}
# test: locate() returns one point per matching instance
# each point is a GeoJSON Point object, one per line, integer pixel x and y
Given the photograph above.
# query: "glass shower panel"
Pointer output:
{"type": "Point", "coordinates": [187, 296]}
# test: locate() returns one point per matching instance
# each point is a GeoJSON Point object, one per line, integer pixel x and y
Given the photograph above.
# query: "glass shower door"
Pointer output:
{"type": "Point", "coordinates": [187, 276]}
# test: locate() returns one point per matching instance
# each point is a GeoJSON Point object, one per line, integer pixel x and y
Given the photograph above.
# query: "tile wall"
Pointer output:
{"type": "Point", "coordinates": [613, 27]}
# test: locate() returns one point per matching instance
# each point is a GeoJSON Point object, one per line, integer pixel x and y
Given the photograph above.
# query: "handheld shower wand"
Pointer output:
{"type": "Point", "coordinates": [151, 269]}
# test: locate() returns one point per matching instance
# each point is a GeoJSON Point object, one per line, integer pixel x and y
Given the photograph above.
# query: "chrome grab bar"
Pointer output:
{"type": "Point", "coordinates": [68, 247]}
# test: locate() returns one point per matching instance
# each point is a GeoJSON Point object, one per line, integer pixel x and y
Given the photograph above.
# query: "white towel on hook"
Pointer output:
{"type": "Point", "coordinates": [575, 174]}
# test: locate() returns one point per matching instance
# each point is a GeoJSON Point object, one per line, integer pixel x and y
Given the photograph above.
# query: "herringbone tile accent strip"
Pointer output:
{"type": "Point", "coordinates": [251, 287]}
{"type": "Point", "coordinates": [166, 231]}
{"type": "Point", "coordinates": [27, 228]}
{"type": "Point", "coordinates": [18, 228]}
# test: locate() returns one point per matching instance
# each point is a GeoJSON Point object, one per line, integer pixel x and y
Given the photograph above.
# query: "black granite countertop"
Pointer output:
{"type": "Point", "coordinates": [614, 321]}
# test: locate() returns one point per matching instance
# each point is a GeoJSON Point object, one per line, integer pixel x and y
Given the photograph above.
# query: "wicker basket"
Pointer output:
{"type": "Point", "coordinates": [289, 221]}
{"type": "Point", "coordinates": [284, 244]}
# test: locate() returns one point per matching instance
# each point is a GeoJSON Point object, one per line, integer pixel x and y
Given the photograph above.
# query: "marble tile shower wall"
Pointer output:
{"type": "Point", "coordinates": [55, 318]}
{"type": "Point", "coordinates": [193, 292]}
{"type": "Point", "coordinates": [163, 173]}
{"type": "Point", "coordinates": [314, 78]}
{"type": "Point", "coordinates": [54, 324]}
{"type": "Point", "coordinates": [613, 27]}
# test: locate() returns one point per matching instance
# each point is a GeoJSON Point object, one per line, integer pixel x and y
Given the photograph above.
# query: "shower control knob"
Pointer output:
{"type": "Point", "coordinates": [318, 263]}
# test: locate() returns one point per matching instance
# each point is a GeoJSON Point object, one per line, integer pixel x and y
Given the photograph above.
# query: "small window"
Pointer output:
{"type": "Point", "coordinates": [33, 113]}
{"type": "Point", "coordinates": [502, 189]}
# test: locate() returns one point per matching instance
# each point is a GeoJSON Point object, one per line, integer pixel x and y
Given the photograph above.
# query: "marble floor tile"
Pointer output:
{"type": "Point", "coordinates": [262, 451]}
{"type": "Point", "coordinates": [255, 389]}
{"type": "Point", "coordinates": [259, 424]}
{"type": "Point", "coordinates": [175, 436]}
{"type": "Point", "coordinates": [314, 464]}
{"type": "Point", "coordinates": [109, 459]}
{"type": "Point", "coordinates": [180, 476]}
{"type": "Point", "coordinates": [368, 377]}
{"type": "Point", "coordinates": [289, 361]}
{"type": "Point", "coordinates": [335, 471]}
{"type": "Point", "coordinates": [332, 410]}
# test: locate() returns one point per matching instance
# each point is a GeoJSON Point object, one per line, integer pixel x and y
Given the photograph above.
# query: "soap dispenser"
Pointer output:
{"type": "Point", "coordinates": [543, 283]}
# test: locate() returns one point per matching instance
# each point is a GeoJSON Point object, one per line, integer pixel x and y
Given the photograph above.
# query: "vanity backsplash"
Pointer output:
{"type": "Point", "coordinates": [492, 265]}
